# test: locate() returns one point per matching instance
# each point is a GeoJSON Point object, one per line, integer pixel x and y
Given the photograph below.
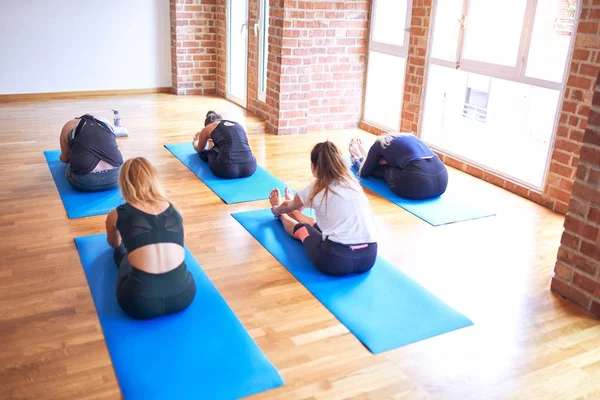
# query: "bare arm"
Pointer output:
{"type": "Point", "coordinates": [370, 162]}
{"type": "Point", "coordinates": [65, 149]}
{"type": "Point", "coordinates": [288, 206]}
{"type": "Point", "coordinates": [113, 237]}
{"type": "Point", "coordinates": [202, 137]}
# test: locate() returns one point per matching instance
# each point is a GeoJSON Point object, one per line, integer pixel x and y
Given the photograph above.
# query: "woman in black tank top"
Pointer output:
{"type": "Point", "coordinates": [228, 154]}
{"type": "Point", "coordinates": [89, 147]}
{"type": "Point", "coordinates": [147, 234]}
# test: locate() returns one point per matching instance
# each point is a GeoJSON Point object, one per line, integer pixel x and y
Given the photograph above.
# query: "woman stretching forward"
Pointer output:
{"type": "Point", "coordinates": [229, 155]}
{"type": "Point", "coordinates": [342, 239]}
{"type": "Point", "coordinates": [404, 162]}
{"type": "Point", "coordinates": [153, 279]}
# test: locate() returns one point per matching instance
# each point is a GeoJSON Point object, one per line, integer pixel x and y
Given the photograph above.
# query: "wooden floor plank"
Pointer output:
{"type": "Point", "coordinates": [526, 342]}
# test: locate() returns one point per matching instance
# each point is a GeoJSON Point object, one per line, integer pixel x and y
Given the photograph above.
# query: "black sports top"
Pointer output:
{"type": "Point", "coordinates": [231, 142]}
{"type": "Point", "coordinates": [138, 228]}
{"type": "Point", "coordinates": [93, 141]}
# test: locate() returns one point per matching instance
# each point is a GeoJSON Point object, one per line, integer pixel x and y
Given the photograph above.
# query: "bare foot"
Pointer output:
{"type": "Point", "coordinates": [354, 149]}
{"type": "Point", "coordinates": [360, 145]}
{"type": "Point", "coordinates": [288, 194]}
{"type": "Point", "coordinates": [275, 198]}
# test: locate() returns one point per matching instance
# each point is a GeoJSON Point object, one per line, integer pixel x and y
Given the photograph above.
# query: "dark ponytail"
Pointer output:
{"type": "Point", "coordinates": [211, 117]}
{"type": "Point", "coordinates": [330, 168]}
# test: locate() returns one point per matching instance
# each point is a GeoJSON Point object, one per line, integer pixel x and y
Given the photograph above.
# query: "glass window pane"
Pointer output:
{"type": "Point", "coordinates": [493, 31]}
{"type": "Point", "coordinates": [390, 21]}
{"type": "Point", "coordinates": [385, 88]}
{"type": "Point", "coordinates": [551, 39]}
{"type": "Point", "coordinates": [504, 125]}
{"type": "Point", "coordinates": [446, 29]}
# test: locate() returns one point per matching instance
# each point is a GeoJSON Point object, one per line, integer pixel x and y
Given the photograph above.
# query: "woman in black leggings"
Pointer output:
{"type": "Point", "coordinates": [404, 162]}
{"type": "Point", "coordinates": [229, 155]}
{"type": "Point", "coordinates": [147, 235]}
{"type": "Point", "coordinates": [342, 238]}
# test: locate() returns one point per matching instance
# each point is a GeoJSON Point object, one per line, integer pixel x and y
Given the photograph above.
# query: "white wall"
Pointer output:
{"type": "Point", "coordinates": [84, 45]}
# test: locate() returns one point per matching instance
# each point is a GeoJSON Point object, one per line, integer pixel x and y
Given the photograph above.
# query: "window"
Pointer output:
{"type": "Point", "coordinates": [387, 63]}
{"type": "Point", "coordinates": [494, 82]}
{"type": "Point", "coordinates": [476, 98]}
{"type": "Point", "coordinates": [262, 27]}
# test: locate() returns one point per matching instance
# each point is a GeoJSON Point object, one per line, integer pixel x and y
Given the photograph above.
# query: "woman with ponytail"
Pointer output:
{"type": "Point", "coordinates": [147, 235]}
{"type": "Point", "coordinates": [228, 154]}
{"type": "Point", "coordinates": [342, 238]}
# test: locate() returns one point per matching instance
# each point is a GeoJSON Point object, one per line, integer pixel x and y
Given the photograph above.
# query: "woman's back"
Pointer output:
{"type": "Point", "coordinates": [153, 236]}
{"type": "Point", "coordinates": [344, 215]}
{"type": "Point", "coordinates": [232, 143]}
{"type": "Point", "coordinates": [404, 149]}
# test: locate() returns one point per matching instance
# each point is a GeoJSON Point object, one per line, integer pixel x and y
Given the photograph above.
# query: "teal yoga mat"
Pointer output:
{"type": "Point", "coordinates": [203, 352]}
{"type": "Point", "coordinates": [383, 308]}
{"type": "Point", "coordinates": [255, 187]}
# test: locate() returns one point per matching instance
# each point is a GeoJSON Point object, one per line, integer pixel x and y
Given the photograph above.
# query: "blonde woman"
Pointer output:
{"type": "Point", "coordinates": [404, 162]}
{"type": "Point", "coordinates": [342, 238]}
{"type": "Point", "coordinates": [147, 235]}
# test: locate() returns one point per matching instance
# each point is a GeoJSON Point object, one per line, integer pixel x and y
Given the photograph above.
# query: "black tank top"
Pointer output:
{"type": "Point", "coordinates": [93, 141]}
{"type": "Point", "coordinates": [231, 142]}
{"type": "Point", "coordinates": [138, 228]}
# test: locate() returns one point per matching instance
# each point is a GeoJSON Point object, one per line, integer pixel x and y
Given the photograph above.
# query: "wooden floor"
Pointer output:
{"type": "Point", "coordinates": [526, 343]}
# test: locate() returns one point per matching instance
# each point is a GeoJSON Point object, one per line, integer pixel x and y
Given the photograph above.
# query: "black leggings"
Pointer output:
{"type": "Point", "coordinates": [421, 179]}
{"type": "Point", "coordinates": [226, 170]}
{"type": "Point", "coordinates": [143, 296]}
{"type": "Point", "coordinates": [334, 258]}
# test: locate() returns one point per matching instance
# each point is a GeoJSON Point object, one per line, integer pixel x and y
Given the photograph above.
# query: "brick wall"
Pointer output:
{"type": "Point", "coordinates": [577, 270]}
{"type": "Point", "coordinates": [316, 65]}
{"type": "Point", "coordinates": [220, 17]}
{"type": "Point", "coordinates": [269, 109]}
{"type": "Point", "coordinates": [193, 47]}
{"type": "Point", "coordinates": [584, 67]}
{"type": "Point", "coordinates": [415, 65]}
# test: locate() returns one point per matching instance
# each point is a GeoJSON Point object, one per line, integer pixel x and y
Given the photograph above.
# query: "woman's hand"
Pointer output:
{"type": "Point", "coordinates": [196, 136]}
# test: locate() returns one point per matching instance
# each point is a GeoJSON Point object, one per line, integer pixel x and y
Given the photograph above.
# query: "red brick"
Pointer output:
{"type": "Point", "coordinates": [578, 207]}
{"type": "Point", "coordinates": [560, 169]}
{"type": "Point", "coordinates": [567, 146]}
{"type": "Point", "coordinates": [563, 271]}
{"type": "Point", "coordinates": [580, 54]}
{"type": "Point", "coordinates": [591, 250]}
{"type": "Point", "coordinates": [570, 240]}
{"type": "Point", "coordinates": [579, 82]}
{"type": "Point", "coordinates": [583, 282]}
{"type": "Point", "coordinates": [571, 293]}
{"type": "Point", "coordinates": [594, 214]}
{"type": "Point", "coordinates": [595, 308]}
{"type": "Point", "coordinates": [587, 27]}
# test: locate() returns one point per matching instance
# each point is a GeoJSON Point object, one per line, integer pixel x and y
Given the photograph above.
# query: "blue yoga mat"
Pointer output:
{"type": "Point", "coordinates": [455, 205]}
{"type": "Point", "coordinates": [383, 308]}
{"type": "Point", "coordinates": [80, 204]}
{"type": "Point", "coordinates": [204, 352]}
{"type": "Point", "coordinates": [255, 187]}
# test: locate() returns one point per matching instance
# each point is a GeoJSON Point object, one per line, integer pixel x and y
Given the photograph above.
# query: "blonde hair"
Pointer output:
{"type": "Point", "coordinates": [330, 167]}
{"type": "Point", "coordinates": [385, 140]}
{"type": "Point", "coordinates": [139, 182]}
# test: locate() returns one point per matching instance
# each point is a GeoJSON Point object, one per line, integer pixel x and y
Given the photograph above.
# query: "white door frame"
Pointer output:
{"type": "Point", "coordinates": [228, 95]}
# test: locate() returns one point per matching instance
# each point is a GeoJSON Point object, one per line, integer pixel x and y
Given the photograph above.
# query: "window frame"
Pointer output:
{"type": "Point", "coordinates": [261, 29]}
{"type": "Point", "coordinates": [492, 71]}
{"type": "Point", "coordinates": [388, 49]}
